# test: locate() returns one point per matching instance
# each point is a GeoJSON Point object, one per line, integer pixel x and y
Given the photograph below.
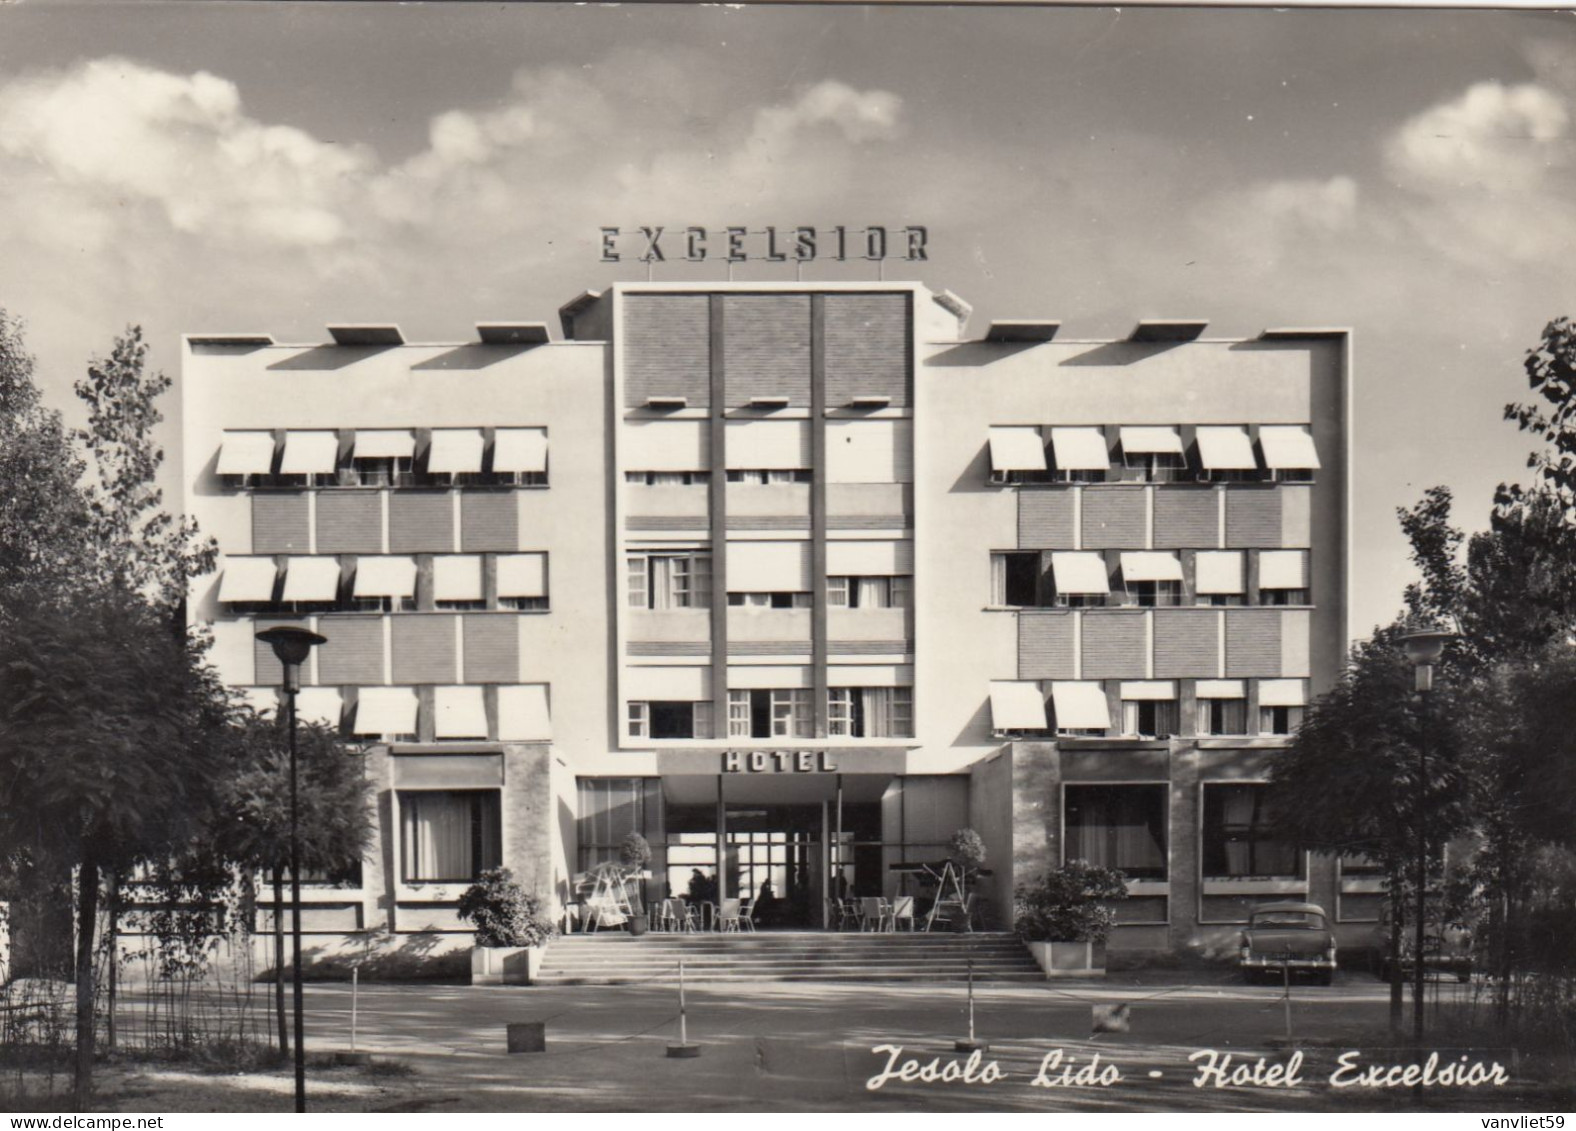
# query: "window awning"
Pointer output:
{"type": "Point", "coordinates": [667, 684]}
{"type": "Point", "coordinates": [320, 705]}
{"type": "Point", "coordinates": [1017, 705]}
{"type": "Point", "coordinates": [1283, 569]}
{"type": "Point", "coordinates": [312, 579]}
{"type": "Point", "coordinates": [385, 577]}
{"type": "Point", "coordinates": [248, 579]}
{"type": "Point", "coordinates": [1149, 689]}
{"type": "Point", "coordinates": [1151, 565]}
{"type": "Point", "coordinates": [768, 567]}
{"type": "Point", "coordinates": [376, 443]}
{"type": "Point", "coordinates": [457, 577]}
{"type": "Point", "coordinates": [1225, 449]}
{"type": "Point", "coordinates": [1080, 571]}
{"type": "Point", "coordinates": [848, 558]}
{"type": "Point", "coordinates": [455, 451]}
{"type": "Point", "coordinates": [665, 445]}
{"type": "Point", "coordinates": [1017, 449]}
{"type": "Point", "coordinates": [520, 449]}
{"type": "Point", "coordinates": [1145, 440]}
{"type": "Point", "coordinates": [246, 453]}
{"type": "Point", "coordinates": [768, 445]}
{"type": "Point", "coordinates": [385, 710]}
{"type": "Point", "coordinates": [1219, 571]}
{"type": "Point", "coordinates": [1080, 706]}
{"type": "Point", "coordinates": [522, 575]}
{"type": "Point", "coordinates": [459, 712]}
{"type": "Point", "coordinates": [1282, 693]}
{"type": "Point", "coordinates": [309, 453]}
{"type": "Point", "coordinates": [1220, 689]}
{"type": "Point", "coordinates": [1288, 448]}
{"type": "Point", "coordinates": [523, 714]}
{"type": "Point", "coordinates": [1080, 449]}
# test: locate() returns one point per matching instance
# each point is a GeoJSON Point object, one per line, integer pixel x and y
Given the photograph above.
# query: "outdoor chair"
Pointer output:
{"type": "Point", "coordinates": [747, 914]}
{"type": "Point", "coordinates": [903, 912]}
{"type": "Point", "coordinates": [687, 918]}
{"type": "Point", "coordinates": [849, 915]}
{"type": "Point", "coordinates": [874, 912]}
{"type": "Point", "coordinates": [728, 915]}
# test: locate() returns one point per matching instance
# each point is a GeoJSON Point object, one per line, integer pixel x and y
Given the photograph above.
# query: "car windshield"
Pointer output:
{"type": "Point", "coordinates": [1307, 920]}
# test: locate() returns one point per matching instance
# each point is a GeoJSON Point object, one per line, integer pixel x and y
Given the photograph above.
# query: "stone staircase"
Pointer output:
{"type": "Point", "coordinates": [615, 958]}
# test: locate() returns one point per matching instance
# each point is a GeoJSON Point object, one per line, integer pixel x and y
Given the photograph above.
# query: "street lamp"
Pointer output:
{"type": "Point", "coordinates": [291, 646]}
{"type": "Point", "coordinates": [1423, 646]}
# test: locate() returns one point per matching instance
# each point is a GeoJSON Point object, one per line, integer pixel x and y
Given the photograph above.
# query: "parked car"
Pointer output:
{"type": "Point", "coordinates": [1290, 936]}
{"type": "Point", "coordinates": [1446, 949]}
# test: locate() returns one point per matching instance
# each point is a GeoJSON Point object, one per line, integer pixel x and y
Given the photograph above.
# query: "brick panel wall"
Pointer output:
{"type": "Point", "coordinates": [423, 522]}
{"type": "Point", "coordinates": [1253, 517]}
{"type": "Point", "coordinates": [868, 346]}
{"type": "Point", "coordinates": [1186, 518]}
{"type": "Point", "coordinates": [492, 649]}
{"type": "Point", "coordinates": [1113, 518]}
{"type": "Point", "coordinates": [1045, 646]}
{"type": "Point", "coordinates": [280, 524]}
{"type": "Point", "coordinates": [423, 649]}
{"type": "Point", "coordinates": [1113, 645]}
{"type": "Point", "coordinates": [667, 348]}
{"type": "Point", "coordinates": [489, 520]}
{"type": "Point", "coordinates": [1045, 520]}
{"type": "Point", "coordinates": [354, 652]}
{"type": "Point", "coordinates": [1253, 642]}
{"type": "Point", "coordinates": [1187, 644]}
{"type": "Point", "coordinates": [766, 347]}
{"type": "Point", "coordinates": [349, 522]}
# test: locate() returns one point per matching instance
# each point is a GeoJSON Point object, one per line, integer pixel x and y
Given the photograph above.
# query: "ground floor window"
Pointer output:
{"type": "Point", "coordinates": [449, 836]}
{"type": "Point", "coordinates": [1238, 842]}
{"type": "Point", "coordinates": [1118, 826]}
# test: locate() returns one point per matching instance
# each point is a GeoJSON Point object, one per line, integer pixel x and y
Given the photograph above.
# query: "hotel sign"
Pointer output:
{"type": "Point", "coordinates": [658, 244]}
{"type": "Point", "coordinates": [779, 762]}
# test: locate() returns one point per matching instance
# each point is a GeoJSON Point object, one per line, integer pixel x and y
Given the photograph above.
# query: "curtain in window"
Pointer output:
{"type": "Point", "coordinates": [1237, 818]}
{"type": "Point", "coordinates": [872, 592]}
{"type": "Point", "coordinates": [998, 579]}
{"type": "Point", "coordinates": [437, 835]}
{"type": "Point", "coordinates": [877, 703]}
{"type": "Point", "coordinates": [661, 583]}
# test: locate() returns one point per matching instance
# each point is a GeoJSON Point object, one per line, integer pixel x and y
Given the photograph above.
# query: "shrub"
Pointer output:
{"type": "Point", "coordinates": [505, 914]}
{"type": "Point", "coordinates": [966, 849]}
{"type": "Point", "coordinates": [634, 853]}
{"type": "Point", "coordinates": [1068, 904]}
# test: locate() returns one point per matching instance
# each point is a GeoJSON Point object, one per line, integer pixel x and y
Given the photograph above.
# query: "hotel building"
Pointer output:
{"type": "Point", "coordinates": [796, 580]}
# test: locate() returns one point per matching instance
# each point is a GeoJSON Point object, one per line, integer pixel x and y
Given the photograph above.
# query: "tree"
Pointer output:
{"type": "Point", "coordinates": [43, 512]}
{"type": "Point", "coordinates": [1347, 784]}
{"type": "Point", "coordinates": [1551, 373]}
{"type": "Point", "coordinates": [111, 746]}
{"type": "Point", "coordinates": [251, 829]}
{"type": "Point", "coordinates": [135, 543]}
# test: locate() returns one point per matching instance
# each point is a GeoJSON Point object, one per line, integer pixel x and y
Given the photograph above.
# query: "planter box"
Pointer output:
{"type": "Point", "coordinates": [1069, 959]}
{"type": "Point", "coordinates": [506, 965]}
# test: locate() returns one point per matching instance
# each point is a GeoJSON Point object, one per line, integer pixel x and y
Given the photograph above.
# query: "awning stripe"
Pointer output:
{"type": "Point", "coordinates": [520, 449]}
{"type": "Point", "coordinates": [246, 453]}
{"type": "Point", "coordinates": [1145, 440]}
{"type": "Point", "coordinates": [1080, 706]}
{"type": "Point", "coordinates": [523, 714]}
{"type": "Point", "coordinates": [386, 710]}
{"type": "Point", "coordinates": [459, 712]}
{"type": "Point", "coordinates": [1016, 705]}
{"type": "Point", "coordinates": [312, 579]}
{"type": "Point", "coordinates": [385, 577]}
{"type": "Point", "coordinates": [457, 577]}
{"type": "Point", "coordinates": [1282, 692]}
{"type": "Point", "coordinates": [1225, 449]}
{"type": "Point", "coordinates": [1283, 569]}
{"type": "Point", "coordinates": [1219, 571]}
{"type": "Point", "coordinates": [1149, 689]}
{"type": "Point", "coordinates": [1017, 449]}
{"type": "Point", "coordinates": [522, 575]}
{"type": "Point", "coordinates": [1150, 565]}
{"type": "Point", "coordinates": [248, 579]}
{"type": "Point", "coordinates": [375, 443]}
{"type": "Point", "coordinates": [320, 705]}
{"type": "Point", "coordinates": [1080, 449]}
{"type": "Point", "coordinates": [1080, 571]}
{"type": "Point", "coordinates": [1288, 447]}
{"type": "Point", "coordinates": [1220, 689]}
{"type": "Point", "coordinates": [309, 453]}
{"type": "Point", "coordinates": [455, 451]}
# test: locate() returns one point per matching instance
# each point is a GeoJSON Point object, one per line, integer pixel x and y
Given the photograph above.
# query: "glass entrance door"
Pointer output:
{"type": "Point", "coordinates": [774, 858]}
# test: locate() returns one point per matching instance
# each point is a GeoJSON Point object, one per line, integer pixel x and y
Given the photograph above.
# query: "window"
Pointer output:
{"type": "Point", "coordinates": [1218, 599]}
{"type": "Point", "coordinates": [667, 478]}
{"type": "Point", "coordinates": [868, 592]}
{"type": "Point", "coordinates": [1118, 826]}
{"type": "Point", "coordinates": [457, 582]}
{"type": "Point", "coordinates": [346, 876]}
{"type": "Point", "coordinates": [380, 471]}
{"type": "Point", "coordinates": [1279, 720]}
{"type": "Point", "coordinates": [449, 837]}
{"type": "Point", "coordinates": [670, 719]}
{"type": "Point", "coordinates": [1222, 716]}
{"type": "Point", "coordinates": [1293, 475]}
{"type": "Point", "coordinates": [1151, 718]}
{"type": "Point", "coordinates": [770, 600]}
{"type": "Point", "coordinates": [1015, 579]}
{"type": "Point", "coordinates": [669, 581]}
{"type": "Point", "coordinates": [1080, 454]}
{"type": "Point", "coordinates": [769, 477]}
{"type": "Point", "coordinates": [1237, 839]}
{"type": "Point", "coordinates": [1156, 467]}
{"type": "Point", "coordinates": [769, 713]}
{"type": "Point", "coordinates": [1283, 597]}
{"type": "Point", "coordinates": [1152, 594]}
{"type": "Point", "coordinates": [1283, 577]}
{"type": "Point", "coordinates": [870, 712]}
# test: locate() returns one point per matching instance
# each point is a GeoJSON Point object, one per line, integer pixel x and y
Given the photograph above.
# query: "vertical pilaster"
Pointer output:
{"type": "Point", "coordinates": [818, 634]}
{"type": "Point", "coordinates": [717, 503]}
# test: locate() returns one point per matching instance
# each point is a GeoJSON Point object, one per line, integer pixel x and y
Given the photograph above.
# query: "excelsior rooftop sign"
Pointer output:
{"type": "Point", "coordinates": [657, 244]}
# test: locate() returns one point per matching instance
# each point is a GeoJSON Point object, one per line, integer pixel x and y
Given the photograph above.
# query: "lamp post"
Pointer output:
{"type": "Point", "coordinates": [291, 646]}
{"type": "Point", "coordinates": [1423, 648]}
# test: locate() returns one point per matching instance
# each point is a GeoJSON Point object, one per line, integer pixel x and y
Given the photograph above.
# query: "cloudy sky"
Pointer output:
{"type": "Point", "coordinates": [277, 167]}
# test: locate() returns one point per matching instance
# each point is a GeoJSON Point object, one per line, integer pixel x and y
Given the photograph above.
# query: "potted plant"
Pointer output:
{"type": "Point", "coordinates": [634, 853]}
{"type": "Point", "coordinates": [1064, 919]}
{"type": "Point", "coordinates": [513, 929]}
{"type": "Point", "coordinates": [966, 853]}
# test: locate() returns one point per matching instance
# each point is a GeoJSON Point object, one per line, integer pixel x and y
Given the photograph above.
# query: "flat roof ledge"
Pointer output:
{"type": "Point", "coordinates": [1168, 330]}
{"type": "Point", "coordinates": [512, 333]}
{"type": "Point", "coordinates": [1019, 330]}
{"type": "Point", "coordinates": [366, 334]}
{"type": "Point", "coordinates": [1291, 333]}
{"type": "Point", "coordinates": [250, 341]}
